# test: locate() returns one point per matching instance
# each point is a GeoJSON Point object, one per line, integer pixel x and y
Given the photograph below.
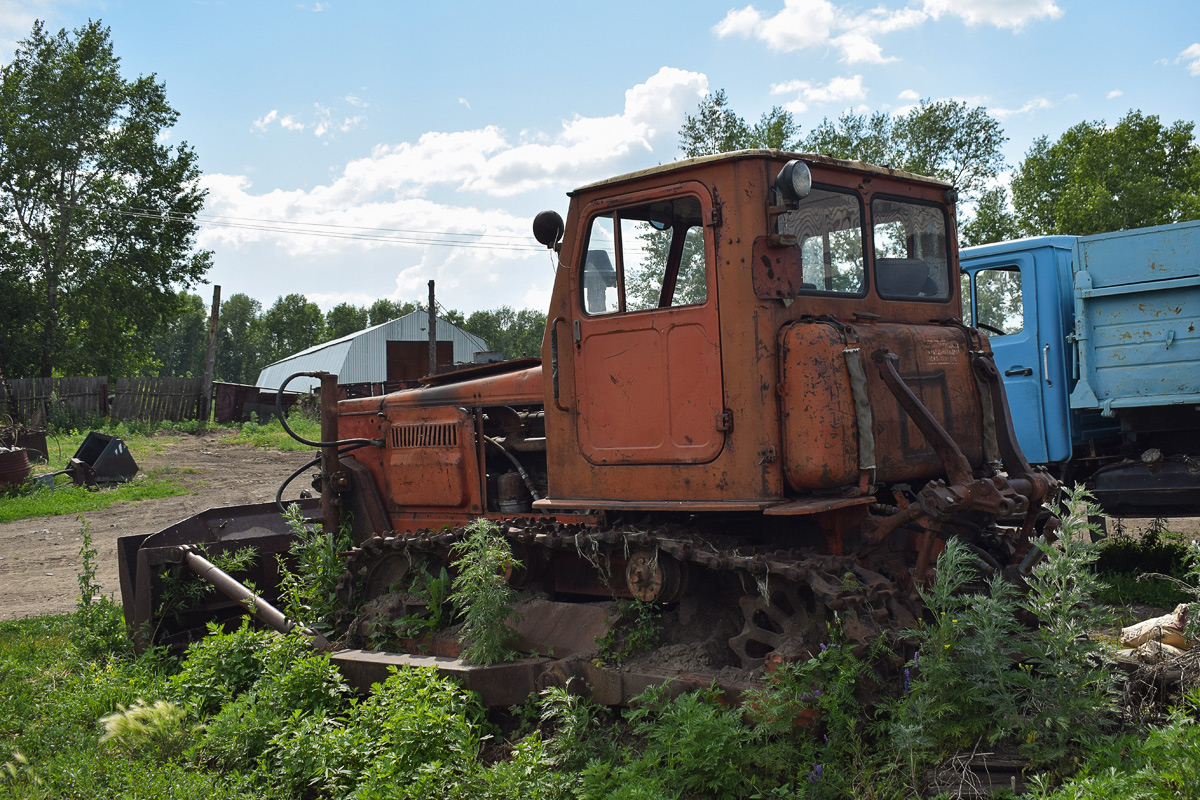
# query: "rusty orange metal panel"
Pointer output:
{"type": "Point", "coordinates": [431, 459]}
{"type": "Point", "coordinates": [819, 429]}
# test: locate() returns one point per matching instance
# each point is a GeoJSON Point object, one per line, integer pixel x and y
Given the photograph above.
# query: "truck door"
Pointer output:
{"type": "Point", "coordinates": [648, 357]}
{"type": "Point", "coordinates": [1005, 305]}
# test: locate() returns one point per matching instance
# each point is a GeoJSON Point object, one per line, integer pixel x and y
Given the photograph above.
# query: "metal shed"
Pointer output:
{"type": "Point", "coordinates": [393, 351]}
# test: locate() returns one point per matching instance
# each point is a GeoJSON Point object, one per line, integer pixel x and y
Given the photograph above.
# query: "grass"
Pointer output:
{"type": "Point", "coordinates": [40, 501]}
{"type": "Point", "coordinates": [271, 434]}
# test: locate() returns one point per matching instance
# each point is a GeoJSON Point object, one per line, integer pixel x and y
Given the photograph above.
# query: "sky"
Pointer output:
{"type": "Point", "coordinates": [355, 149]}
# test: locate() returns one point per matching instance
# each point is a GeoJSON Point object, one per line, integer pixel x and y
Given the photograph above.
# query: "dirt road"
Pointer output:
{"type": "Point", "coordinates": [39, 557]}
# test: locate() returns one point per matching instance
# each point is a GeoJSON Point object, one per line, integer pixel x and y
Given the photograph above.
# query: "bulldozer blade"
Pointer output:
{"type": "Point", "coordinates": [148, 563]}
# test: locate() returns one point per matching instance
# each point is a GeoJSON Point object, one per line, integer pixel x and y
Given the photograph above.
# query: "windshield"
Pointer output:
{"type": "Point", "coordinates": [827, 225]}
{"type": "Point", "coordinates": [910, 250]}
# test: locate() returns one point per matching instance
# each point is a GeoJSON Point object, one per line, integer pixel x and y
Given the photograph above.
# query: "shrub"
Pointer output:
{"type": "Point", "coordinates": [482, 594]}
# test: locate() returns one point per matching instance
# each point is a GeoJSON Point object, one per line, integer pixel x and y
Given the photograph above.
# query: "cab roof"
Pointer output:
{"type": "Point", "coordinates": [742, 155]}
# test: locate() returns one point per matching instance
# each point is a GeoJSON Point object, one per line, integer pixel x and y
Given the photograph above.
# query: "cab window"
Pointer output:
{"type": "Point", "coordinates": [644, 257]}
{"type": "Point", "coordinates": [827, 225]}
{"type": "Point", "coordinates": [999, 309]}
{"type": "Point", "coordinates": [909, 249]}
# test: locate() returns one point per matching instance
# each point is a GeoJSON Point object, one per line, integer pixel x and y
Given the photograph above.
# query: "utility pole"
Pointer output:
{"type": "Point", "coordinates": [210, 358]}
{"type": "Point", "coordinates": [432, 333]}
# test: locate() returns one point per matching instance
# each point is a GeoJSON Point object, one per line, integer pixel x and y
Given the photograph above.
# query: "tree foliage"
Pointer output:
{"type": "Point", "coordinates": [180, 347]}
{"type": "Point", "coordinates": [97, 214]}
{"type": "Point", "coordinates": [240, 347]}
{"type": "Point", "coordinates": [516, 334]}
{"type": "Point", "coordinates": [345, 319]}
{"type": "Point", "coordinates": [292, 324]}
{"type": "Point", "coordinates": [1097, 178]}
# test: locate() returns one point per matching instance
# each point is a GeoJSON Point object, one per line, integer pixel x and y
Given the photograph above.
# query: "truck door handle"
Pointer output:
{"type": "Point", "coordinates": [1008, 373]}
{"type": "Point", "coordinates": [1046, 364]}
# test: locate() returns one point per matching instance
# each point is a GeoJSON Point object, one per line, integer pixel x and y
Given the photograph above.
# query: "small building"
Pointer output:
{"type": "Point", "coordinates": [395, 353]}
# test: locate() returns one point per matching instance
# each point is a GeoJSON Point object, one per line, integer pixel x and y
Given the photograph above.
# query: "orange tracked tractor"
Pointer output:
{"type": "Point", "coordinates": [756, 407]}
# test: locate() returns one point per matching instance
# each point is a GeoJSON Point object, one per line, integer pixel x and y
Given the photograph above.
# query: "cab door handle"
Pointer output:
{"type": "Point", "coordinates": [1008, 373]}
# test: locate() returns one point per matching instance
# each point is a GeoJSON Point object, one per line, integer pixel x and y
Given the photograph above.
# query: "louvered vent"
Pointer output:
{"type": "Point", "coordinates": [431, 434]}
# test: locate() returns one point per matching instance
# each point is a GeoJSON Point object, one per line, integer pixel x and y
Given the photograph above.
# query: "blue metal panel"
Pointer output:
{"type": "Point", "coordinates": [1137, 311]}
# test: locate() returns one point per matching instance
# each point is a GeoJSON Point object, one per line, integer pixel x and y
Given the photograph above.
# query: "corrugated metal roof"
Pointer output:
{"type": "Point", "coordinates": [362, 357]}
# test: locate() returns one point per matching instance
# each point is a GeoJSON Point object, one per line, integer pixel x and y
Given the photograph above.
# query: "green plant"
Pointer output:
{"type": "Point", "coordinates": [98, 629]}
{"type": "Point", "coordinates": [1065, 684]}
{"type": "Point", "coordinates": [957, 686]}
{"type": "Point", "coordinates": [482, 594]}
{"type": "Point", "coordinates": [220, 667]}
{"type": "Point", "coordinates": [309, 593]}
{"type": "Point", "coordinates": [432, 591]}
{"type": "Point", "coordinates": [35, 500]}
{"type": "Point", "coordinates": [159, 729]}
{"type": "Point", "coordinates": [183, 589]}
{"type": "Point", "coordinates": [637, 629]}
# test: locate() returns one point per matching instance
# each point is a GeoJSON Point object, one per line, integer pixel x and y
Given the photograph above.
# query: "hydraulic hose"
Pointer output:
{"type": "Point", "coordinates": [520, 470]}
{"type": "Point", "coordinates": [298, 437]}
{"type": "Point", "coordinates": [286, 481]}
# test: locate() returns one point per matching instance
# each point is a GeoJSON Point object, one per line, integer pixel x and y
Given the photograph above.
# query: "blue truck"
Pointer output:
{"type": "Point", "coordinates": [1096, 338]}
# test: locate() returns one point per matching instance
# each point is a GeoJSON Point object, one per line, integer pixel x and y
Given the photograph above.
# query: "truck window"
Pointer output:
{"type": "Point", "coordinates": [998, 305]}
{"type": "Point", "coordinates": [828, 228]}
{"type": "Point", "coordinates": [910, 250]}
{"type": "Point", "coordinates": [645, 257]}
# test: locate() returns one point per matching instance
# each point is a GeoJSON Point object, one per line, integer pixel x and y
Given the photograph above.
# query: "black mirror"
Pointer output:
{"type": "Point", "coordinates": [548, 228]}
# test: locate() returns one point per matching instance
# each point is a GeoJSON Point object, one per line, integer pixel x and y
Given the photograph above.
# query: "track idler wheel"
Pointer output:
{"type": "Point", "coordinates": [777, 619]}
{"type": "Point", "coordinates": [654, 576]}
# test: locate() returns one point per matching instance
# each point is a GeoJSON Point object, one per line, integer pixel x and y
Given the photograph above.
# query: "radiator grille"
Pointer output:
{"type": "Point", "coordinates": [430, 434]}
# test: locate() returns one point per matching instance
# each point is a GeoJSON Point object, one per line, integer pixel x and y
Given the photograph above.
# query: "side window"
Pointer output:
{"type": "Point", "coordinates": [645, 257]}
{"type": "Point", "coordinates": [828, 229]}
{"type": "Point", "coordinates": [999, 308]}
{"type": "Point", "coordinates": [910, 250]}
{"type": "Point", "coordinates": [600, 269]}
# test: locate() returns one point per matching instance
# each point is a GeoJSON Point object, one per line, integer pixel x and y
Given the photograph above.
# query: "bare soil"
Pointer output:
{"type": "Point", "coordinates": [39, 557]}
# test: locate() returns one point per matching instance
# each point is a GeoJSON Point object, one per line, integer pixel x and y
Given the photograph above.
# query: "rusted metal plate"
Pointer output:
{"type": "Point", "coordinates": [815, 505]}
{"type": "Point", "coordinates": [562, 629]}
{"type": "Point", "coordinates": [497, 684]}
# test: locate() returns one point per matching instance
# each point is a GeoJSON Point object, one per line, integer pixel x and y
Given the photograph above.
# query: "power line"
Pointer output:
{"type": "Point", "coordinates": [480, 241]}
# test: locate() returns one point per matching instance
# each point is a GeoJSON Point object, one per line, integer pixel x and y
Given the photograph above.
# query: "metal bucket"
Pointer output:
{"type": "Point", "coordinates": [14, 466]}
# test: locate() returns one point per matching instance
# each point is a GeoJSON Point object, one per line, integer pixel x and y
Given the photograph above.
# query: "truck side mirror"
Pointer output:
{"type": "Point", "coordinates": [548, 228]}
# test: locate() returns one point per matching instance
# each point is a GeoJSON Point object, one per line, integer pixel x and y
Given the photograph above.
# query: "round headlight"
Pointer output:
{"type": "Point", "coordinates": [794, 181]}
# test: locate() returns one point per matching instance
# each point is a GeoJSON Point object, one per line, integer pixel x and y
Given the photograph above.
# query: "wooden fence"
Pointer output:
{"type": "Point", "coordinates": [32, 402]}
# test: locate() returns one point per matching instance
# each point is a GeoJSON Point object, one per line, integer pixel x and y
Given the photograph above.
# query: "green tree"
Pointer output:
{"type": "Point", "coordinates": [775, 130]}
{"type": "Point", "coordinates": [97, 215]}
{"type": "Point", "coordinates": [291, 325]}
{"type": "Point", "coordinates": [714, 128]}
{"type": "Point", "coordinates": [945, 139]}
{"type": "Point", "coordinates": [516, 334]}
{"type": "Point", "coordinates": [240, 340]}
{"type": "Point", "coordinates": [854, 136]}
{"type": "Point", "coordinates": [994, 221]}
{"type": "Point", "coordinates": [345, 319]}
{"type": "Point", "coordinates": [181, 347]}
{"type": "Point", "coordinates": [1097, 178]}
{"type": "Point", "coordinates": [384, 310]}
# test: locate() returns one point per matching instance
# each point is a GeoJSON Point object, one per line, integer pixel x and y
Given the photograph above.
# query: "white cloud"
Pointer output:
{"type": "Point", "coordinates": [802, 24]}
{"type": "Point", "coordinates": [290, 123]}
{"type": "Point", "coordinates": [1036, 104]}
{"type": "Point", "coordinates": [262, 122]}
{"type": "Point", "coordinates": [463, 182]}
{"type": "Point", "coordinates": [908, 96]}
{"type": "Point", "coordinates": [838, 90]}
{"type": "Point", "coordinates": [356, 101]}
{"type": "Point", "coordinates": [1192, 56]}
{"type": "Point", "coordinates": [463, 101]}
{"type": "Point", "coordinates": [1012, 14]}
{"type": "Point", "coordinates": [1114, 94]}
{"type": "Point", "coordinates": [16, 22]}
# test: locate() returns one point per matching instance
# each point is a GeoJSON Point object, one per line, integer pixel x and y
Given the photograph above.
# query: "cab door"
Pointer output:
{"type": "Point", "coordinates": [646, 333]}
{"type": "Point", "coordinates": [1005, 305]}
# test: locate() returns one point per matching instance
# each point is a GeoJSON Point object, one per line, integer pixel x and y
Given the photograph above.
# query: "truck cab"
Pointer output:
{"type": "Point", "coordinates": [1096, 340]}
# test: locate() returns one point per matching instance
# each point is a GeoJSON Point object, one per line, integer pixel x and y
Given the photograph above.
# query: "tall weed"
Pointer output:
{"type": "Point", "coordinates": [482, 594]}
